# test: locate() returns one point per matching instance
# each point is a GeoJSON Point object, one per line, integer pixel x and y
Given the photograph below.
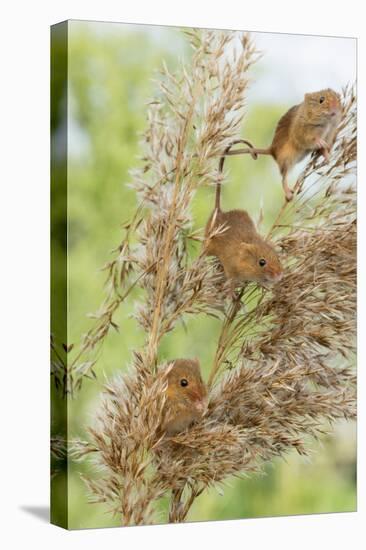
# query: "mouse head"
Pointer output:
{"type": "Point", "coordinates": [322, 106]}
{"type": "Point", "coordinates": [185, 384]}
{"type": "Point", "coordinates": [258, 262]}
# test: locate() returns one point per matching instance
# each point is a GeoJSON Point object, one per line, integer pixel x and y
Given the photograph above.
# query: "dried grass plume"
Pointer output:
{"type": "Point", "coordinates": [283, 368]}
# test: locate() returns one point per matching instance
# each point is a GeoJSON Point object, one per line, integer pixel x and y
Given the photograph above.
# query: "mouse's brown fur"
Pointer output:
{"type": "Point", "coordinates": [185, 403]}
{"type": "Point", "coordinates": [243, 253]}
{"type": "Point", "coordinates": [308, 127]}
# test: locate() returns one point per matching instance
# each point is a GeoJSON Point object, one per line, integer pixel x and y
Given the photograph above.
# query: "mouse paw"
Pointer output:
{"type": "Point", "coordinates": [320, 143]}
{"type": "Point", "coordinates": [289, 195]}
{"type": "Point", "coordinates": [232, 293]}
{"type": "Point", "coordinates": [323, 148]}
{"type": "Point", "coordinates": [325, 153]}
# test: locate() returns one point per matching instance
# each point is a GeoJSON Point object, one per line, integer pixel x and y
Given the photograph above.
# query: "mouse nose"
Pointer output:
{"type": "Point", "coordinates": [201, 405]}
{"type": "Point", "coordinates": [277, 277]}
{"type": "Point", "coordinates": [334, 107]}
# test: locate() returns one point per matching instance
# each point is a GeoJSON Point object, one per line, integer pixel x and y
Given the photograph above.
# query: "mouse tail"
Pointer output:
{"type": "Point", "coordinates": [251, 150]}
{"type": "Point", "coordinates": [218, 196]}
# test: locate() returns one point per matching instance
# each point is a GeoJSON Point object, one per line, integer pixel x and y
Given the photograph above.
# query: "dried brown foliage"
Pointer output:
{"type": "Point", "coordinates": [284, 358]}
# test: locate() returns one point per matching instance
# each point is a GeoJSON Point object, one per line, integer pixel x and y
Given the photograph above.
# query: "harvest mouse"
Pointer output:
{"type": "Point", "coordinates": [308, 127]}
{"type": "Point", "coordinates": [186, 396]}
{"type": "Point", "coordinates": [243, 253]}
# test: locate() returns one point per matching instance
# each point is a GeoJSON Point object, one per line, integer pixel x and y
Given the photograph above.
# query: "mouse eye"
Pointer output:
{"type": "Point", "coordinates": [321, 99]}
{"type": "Point", "coordinates": [262, 262]}
{"type": "Point", "coordinates": [184, 382]}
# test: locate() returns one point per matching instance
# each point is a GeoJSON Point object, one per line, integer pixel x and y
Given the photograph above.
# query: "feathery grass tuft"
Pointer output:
{"type": "Point", "coordinates": [283, 368]}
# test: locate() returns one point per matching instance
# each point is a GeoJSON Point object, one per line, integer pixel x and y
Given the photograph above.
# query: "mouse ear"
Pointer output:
{"type": "Point", "coordinates": [174, 363]}
{"type": "Point", "coordinates": [246, 249]}
{"type": "Point", "coordinates": [170, 366]}
{"type": "Point", "coordinates": [196, 362]}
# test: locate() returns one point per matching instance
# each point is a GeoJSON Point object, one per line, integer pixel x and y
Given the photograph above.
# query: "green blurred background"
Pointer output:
{"type": "Point", "coordinates": [111, 71]}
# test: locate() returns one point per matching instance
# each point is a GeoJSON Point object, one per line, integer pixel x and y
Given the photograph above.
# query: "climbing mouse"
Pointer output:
{"type": "Point", "coordinates": [308, 127]}
{"type": "Point", "coordinates": [243, 253]}
{"type": "Point", "coordinates": [186, 396]}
